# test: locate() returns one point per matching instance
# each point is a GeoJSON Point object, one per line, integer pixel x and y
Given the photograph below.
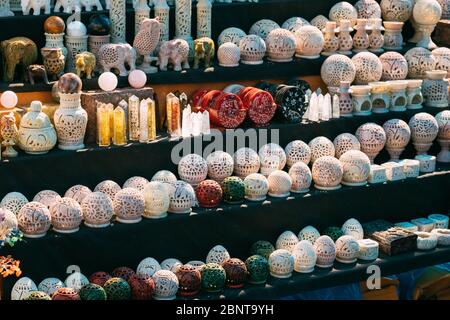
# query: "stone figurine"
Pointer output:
{"type": "Point", "coordinates": [37, 71]}
{"type": "Point", "coordinates": [36, 5]}
{"type": "Point", "coordinates": [115, 55]}
{"type": "Point", "coordinates": [10, 133]}
{"type": "Point", "coordinates": [204, 50]}
{"type": "Point", "coordinates": [146, 41]}
{"type": "Point", "coordinates": [17, 51]}
{"type": "Point", "coordinates": [54, 61]}
{"type": "Point", "coordinates": [85, 63]}
{"type": "Point", "coordinates": [175, 52]}
{"type": "Point", "coordinates": [68, 6]}
{"type": "Point", "coordinates": [89, 4]}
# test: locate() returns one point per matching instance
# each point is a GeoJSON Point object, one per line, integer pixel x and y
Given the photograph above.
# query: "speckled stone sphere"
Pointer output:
{"type": "Point", "coordinates": [54, 24]}
{"type": "Point", "coordinates": [69, 83]}
{"type": "Point", "coordinates": [117, 289]}
{"type": "Point", "coordinates": [92, 291]}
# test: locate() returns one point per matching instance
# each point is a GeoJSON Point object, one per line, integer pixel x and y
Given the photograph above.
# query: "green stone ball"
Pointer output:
{"type": "Point", "coordinates": [333, 232]}
{"type": "Point", "coordinates": [117, 289]}
{"type": "Point", "coordinates": [257, 268]}
{"type": "Point", "coordinates": [213, 277]}
{"type": "Point", "coordinates": [92, 291]}
{"type": "Point", "coordinates": [262, 248]}
{"type": "Point", "coordinates": [233, 190]}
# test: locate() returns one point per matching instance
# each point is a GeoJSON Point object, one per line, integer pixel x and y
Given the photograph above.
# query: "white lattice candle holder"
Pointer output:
{"type": "Point", "coordinates": [204, 19]}
{"type": "Point", "coordinates": [94, 44]}
{"type": "Point", "coordinates": [393, 38]}
{"type": "Point", "coordinates": [162, 11]}
{"type": "Point", "coordinates": [75, 45]}
{"type": "Point", "coordinates": [117, 15]}
{"type": "Point", "coordinates": [414, 94]}
{"type": "Point", "coordinates": [183, 16]}
{"type": "Point", "coordinates": [141, 12]}
{"type": "Point", "coordinates": [55, 40]}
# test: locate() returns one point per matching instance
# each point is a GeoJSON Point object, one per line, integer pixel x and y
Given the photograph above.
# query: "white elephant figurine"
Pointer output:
{"type": "Point", "coordinates": [36, 5]}
{"type": "Point", "coordinates": [176, 52]}
{"type": "Point", "coordinates": [69, 6]}
{"type": "Point", "coordinates": [115, 55]}
{"type": "Point", "coordinates": [89, 4]}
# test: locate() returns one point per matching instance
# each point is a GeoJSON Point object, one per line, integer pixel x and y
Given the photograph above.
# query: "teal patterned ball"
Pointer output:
{"type": "Point", "coordinates": [262, 248]}
{"type": "Point", "coordinates": [233, 190]}
{"type": "Point", "coordinates": [258, 269]}
{"type": "Point", "coordinates": [333, 232]}
{"type": "Point", "coordinates": [213, 277]}
{"type": "Point", "coordinates": [92, 291]}
{"type": "Point", "coordinates": [117, 289]}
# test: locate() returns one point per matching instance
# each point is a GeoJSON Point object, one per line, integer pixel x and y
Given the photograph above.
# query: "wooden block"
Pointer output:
{"type": "Point", "coordinates": [89, 101]}
{"type": "Point", "coordinates": [442, 33]}
{"type": "Point", "coordinates": [395, 240]}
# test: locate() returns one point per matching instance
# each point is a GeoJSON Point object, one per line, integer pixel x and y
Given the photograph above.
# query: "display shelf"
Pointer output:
{"type": "Point", "coordinates": [191, 236]}
{"type": "Point", "coordinates": [338, 275]}
{"type": "Point", "coordinates": [58, 170]}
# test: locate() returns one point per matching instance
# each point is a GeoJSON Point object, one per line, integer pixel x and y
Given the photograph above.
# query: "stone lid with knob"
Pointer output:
{"type": "Point", "coordinates": [35, 118]}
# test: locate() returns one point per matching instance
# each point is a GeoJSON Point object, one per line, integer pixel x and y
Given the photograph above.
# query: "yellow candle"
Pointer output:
{"type": "Point", "coordinates": [120, 129]}
{"type": "Point", "coordinates": [151, 119]}
{"type": "Point", "coordinates": [103, 128]}
{"type": "Point", "coordinates": [133, 118]}
{"type": "Point", "coordinates": [173, 115]}
{"type": "Point", "coordinates": [110, 109]}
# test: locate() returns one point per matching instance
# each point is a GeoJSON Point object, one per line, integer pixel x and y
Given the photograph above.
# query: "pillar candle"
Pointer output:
{"type": "Point", "coordinates": [319, 105]}
{"type": "Point", "coordinates": [151, 119]}
{"type": "Point", "coordinates": [173, 115]}
{"type": "Point", "coordinates": [313, 113]}
{"type": "Point", "coordinates": [110, 109]}
{"type": "Point", "coordinates": [186, 125]}
{"type": "Point", "coordinates": [336, 110]}
{"type": "Point", "coordinates": [204, 19]}
{"type": "Point", "coordinates": [143, 121]}
{"type": "Point", "coordinates": [133, 118]}
{"type": "Point", "coordinates": [206, 127]}
{"type": "Point", "coordinates": [120, 128]}
{"type": "Point", "coordinates": [103, 128]}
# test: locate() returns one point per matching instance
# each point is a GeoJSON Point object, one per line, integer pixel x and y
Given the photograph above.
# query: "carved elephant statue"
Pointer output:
{"type": "Point", "coordinates": [115, 55]}
{"type": "Point", "coordinates": [36, 5]}
{"type": "Point", "coordinates": [85, 63]}
{"type": "Point", "coordinates": [17, 51]}
{"type": "Point", "coordinates": [68, 6]}
{"type": "Point", "coordinates": [204, 51]}
{"type": "Point", "coordinates": [37, 71]}
{"type": "Point", "coordinates": [89, 4]}
{"type": "Point", "coordinates": [175, 52]}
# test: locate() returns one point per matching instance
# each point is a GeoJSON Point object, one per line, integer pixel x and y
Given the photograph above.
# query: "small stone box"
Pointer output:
{"type": "Point", "coordinates": [411, 168]}
{"type": "Point", "coordinates": [377, 174]}
{"type": "Point", "coordinates": [424, 224]}
{"type": "Point", "coordinates": [394, 171]}
{"type": "Point", "coordinates": [89, 103]}
{"type": "Point", "coordinates": [407, 225]}
{"type": "Point", "coordinates": [427, 163]}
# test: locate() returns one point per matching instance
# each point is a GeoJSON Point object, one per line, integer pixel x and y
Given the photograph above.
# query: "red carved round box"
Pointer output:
{"type": "Point", "coordinates": [142, 286]}
{"type": "Point", "coordinates": [236, 272]}
{"type": "Point", "coordinates": [123, 272]}
{"type": "Point", "coordinates": [209, 193]}
{"type": "Point", "coordinates": [99, 277]}
{"type": "Point", "coordinates": [189, 279]}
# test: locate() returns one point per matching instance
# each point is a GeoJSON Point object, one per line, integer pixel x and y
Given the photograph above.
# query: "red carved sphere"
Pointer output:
{"type": "Point", "coordinates": [99, 277]}
{"type": "Point", "coordinates": [123, 272]}
{"type": "Point", "coordinates": [209, 193]}
{"type": "Point", "coordinates": [189, 279]}
{"type": "Point", "coordinates": [142, 286]}
{"type": "Point", "coordinates": [65, 294]}
{"type": "Point", "coordinates": [236, 272]}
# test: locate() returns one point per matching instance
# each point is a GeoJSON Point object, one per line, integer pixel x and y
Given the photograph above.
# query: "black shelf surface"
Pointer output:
{"type": "Point", "coordinates": [190, 236]}
{"type": "Point", "coordinates": [58, 170]}
{"type": "Point", "coordinates": [338, 275]}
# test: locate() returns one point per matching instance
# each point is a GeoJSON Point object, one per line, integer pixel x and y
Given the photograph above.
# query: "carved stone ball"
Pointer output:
{"type": "Point", "coordinates": [69, 83]}
{"type": "Point", "coordinates": [99, 25]}
{"type": "Point", "coordinates": [54, 24]}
